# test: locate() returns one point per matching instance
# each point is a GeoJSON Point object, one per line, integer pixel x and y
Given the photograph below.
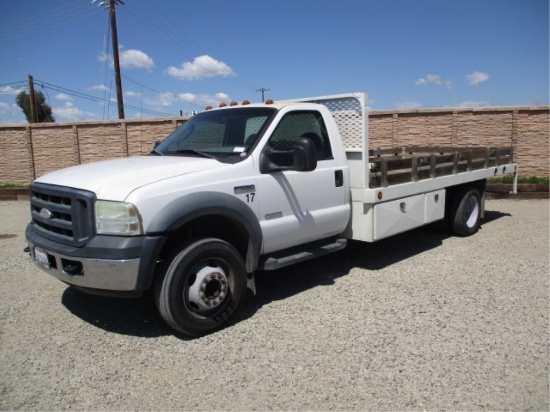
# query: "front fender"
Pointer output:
{"type": "Point", "coordinates": [189, 207]}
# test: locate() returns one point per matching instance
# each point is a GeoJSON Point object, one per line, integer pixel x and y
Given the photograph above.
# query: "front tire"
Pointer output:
{"type": "Point", "coordinates": [201, 286]}
{"type": "Point", "coordinates": [465, 216]}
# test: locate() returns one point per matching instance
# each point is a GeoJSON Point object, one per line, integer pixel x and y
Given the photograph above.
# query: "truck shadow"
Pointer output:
{"type": "Point", "coordinates": [134, 317]}
{"type": "Point", "coordinates": [284, 283]}
{"type": "Point", "coordinates": [139, 316]}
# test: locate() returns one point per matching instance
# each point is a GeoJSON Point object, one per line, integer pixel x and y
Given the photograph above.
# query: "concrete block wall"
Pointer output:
{"type": "Point", "coordinates": [525, 128]}
{"type": "Point", "coordinates": [27, 152]}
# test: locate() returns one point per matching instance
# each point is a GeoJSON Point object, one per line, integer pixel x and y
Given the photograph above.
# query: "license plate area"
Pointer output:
{"type": "Point", "coordinates": [41, 258]}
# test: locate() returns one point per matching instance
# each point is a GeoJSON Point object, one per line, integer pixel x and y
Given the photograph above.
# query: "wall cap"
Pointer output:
{"type": "Point", "coordinates": [451, 110]}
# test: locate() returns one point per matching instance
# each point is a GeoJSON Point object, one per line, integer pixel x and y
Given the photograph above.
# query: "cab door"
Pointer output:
{"type": "Point", "coordinates": [299, 207]}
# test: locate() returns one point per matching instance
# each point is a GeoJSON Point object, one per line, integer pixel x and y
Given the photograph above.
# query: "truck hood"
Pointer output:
{"type": "Point", "coordinates": [116, 179]}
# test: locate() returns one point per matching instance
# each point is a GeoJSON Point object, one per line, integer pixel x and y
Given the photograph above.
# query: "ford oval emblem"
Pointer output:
{"type": "Point", "coordinates": [46, 214]}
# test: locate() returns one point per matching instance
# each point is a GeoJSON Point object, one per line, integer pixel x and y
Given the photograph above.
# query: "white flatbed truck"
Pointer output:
{"type": "Point", "coordinates": [244, 188]}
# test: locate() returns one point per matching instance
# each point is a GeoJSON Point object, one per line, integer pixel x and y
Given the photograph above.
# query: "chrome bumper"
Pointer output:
{"type": "Point", "coordinates": [111, 275]}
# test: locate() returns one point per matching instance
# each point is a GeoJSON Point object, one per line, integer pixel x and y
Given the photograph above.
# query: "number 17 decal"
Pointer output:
{"type": "Point", "coordinates": [249, 191]}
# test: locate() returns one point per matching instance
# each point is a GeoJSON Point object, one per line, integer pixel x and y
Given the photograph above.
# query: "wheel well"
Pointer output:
{"type": "Point", "coordinates": [478, 184]}
{"type": "Point", "coordinates": [220, 227]}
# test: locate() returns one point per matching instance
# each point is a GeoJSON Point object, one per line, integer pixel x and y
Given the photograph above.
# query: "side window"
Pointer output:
{"type": "Point", "coordinates": [302, 124]}
{"type": "Point", "coordinates": [252, 127]}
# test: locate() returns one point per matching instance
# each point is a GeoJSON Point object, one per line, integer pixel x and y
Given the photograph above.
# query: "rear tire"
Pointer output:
{"type": "Point", "coordinates": [465, 217]}
{"type": "Point", "coordinates": [201, 286]}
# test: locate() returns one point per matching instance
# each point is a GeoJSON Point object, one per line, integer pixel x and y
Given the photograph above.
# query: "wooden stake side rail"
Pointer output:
{"type": "Point", "coordinates": [411, 164]}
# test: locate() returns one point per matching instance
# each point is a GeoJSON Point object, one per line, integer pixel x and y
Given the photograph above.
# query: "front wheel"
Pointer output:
{"type": "Point", "coordinates": [465, 216]}
{"type": "Point", "coordinates": [201, 286]}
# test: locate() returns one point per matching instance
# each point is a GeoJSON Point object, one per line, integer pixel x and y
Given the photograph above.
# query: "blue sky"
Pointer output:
{"type": "Point", "coordinates": [181, 55]}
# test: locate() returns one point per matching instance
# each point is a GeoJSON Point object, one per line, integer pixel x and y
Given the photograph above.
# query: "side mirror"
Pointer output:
{"type": "Point", "coordinates": [304, 157]}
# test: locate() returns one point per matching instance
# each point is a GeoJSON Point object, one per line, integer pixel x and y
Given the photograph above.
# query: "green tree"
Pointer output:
{"type": "Point", "coordinates": [43, 110]}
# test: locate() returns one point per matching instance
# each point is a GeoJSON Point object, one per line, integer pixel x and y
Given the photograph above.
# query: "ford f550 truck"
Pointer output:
{"type": "Point", "coordinates": [244, 188]}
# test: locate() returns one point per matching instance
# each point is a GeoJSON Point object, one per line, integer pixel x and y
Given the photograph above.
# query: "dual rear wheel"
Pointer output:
{"type": "Point", "coordinates": [465, 211]}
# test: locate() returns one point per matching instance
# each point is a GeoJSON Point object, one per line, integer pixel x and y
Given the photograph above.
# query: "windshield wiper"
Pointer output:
{"type": "Point", "coordinates": [195, 152]}
{"type": "Point", "coordinates": [154, 152]}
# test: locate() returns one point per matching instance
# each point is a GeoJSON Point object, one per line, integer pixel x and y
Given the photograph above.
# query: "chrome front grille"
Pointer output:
{"type": "Point", "coordinates": [62, 214]}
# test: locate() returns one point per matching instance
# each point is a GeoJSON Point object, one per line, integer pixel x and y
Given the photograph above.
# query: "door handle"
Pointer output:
{"type": "Point", "coordinates": [339, 178]}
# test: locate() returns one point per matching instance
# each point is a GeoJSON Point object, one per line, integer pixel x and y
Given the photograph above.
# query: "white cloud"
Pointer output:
{"type": "Point", "coordinates": [133, 94]}
{"type": "Point", "coordinates": [6, 108]}
{"type": "Point", "coordinates": [63, 96]}
{"type": "Point", "coordinates": [429, 79]}
{"type": "Point", "coordinates": [105, 57]}
{"type": "Point", "coordinates": [201, 67]}
{"type": "Point", "coordinates": [130, 59]}
{"type": "Point", "coordinates": [136, 59]}
{"type": "Point", "coordinates": [71, 113]}
{"type": "Point", "coordinates": [162, 100]}
{"type": "Point", "coordinates": [434, 79]}
{"type": "Point", "coordinates": [12, 113]}
{"type": "Point", "coordinates": [473, 103]}
{"type": "Point", "coordinates": [477, 78]}
{"type": "Point", "coordinates": [415, 104]}
{"type": "Point", "coordinates": [11, 90]}
{"type": "Point", "coordinates": [205, 99]}
{"type": "Point", "coordinates": [98, 88]}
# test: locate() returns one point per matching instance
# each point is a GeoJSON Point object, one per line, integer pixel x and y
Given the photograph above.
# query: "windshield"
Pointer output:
{"type": "Point", "coordinates": [227, 135]}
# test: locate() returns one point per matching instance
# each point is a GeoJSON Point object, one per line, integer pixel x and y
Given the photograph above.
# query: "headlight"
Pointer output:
{"type": "Point", "coordinates": [117, 218]}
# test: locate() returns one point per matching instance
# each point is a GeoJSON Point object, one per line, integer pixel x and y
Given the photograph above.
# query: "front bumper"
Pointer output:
{"type": "Point", "coordinates": [107, 263]}
{"type": "Point", "coordinates": [115, 275]}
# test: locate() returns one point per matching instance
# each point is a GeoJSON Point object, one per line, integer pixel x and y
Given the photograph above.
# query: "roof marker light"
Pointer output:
{"type": "Point", "coordinates": [233, 103]}
{"type": "Point", "coordinates": [245, 102]}
{"type": "Point", "coordinates": [269, 101]}
{"type": "Point", "coordinates": [223, 104]}
{"type": "Point", "coordinates": [208, 108]}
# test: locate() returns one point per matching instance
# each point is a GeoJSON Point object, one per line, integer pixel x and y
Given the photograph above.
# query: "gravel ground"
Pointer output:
{"type": "Point", "coordinates": [418, 321]}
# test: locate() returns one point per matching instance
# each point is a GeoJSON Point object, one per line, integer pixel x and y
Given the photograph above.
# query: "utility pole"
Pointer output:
{"type": "Point", "coordinates": [32, 101]}
{"type": "Point", "coordinates": [115, 57]}
{"type": "Point", "coordinates": [116, 62]}
{"type": "Point", "coordinates": [263, 90]}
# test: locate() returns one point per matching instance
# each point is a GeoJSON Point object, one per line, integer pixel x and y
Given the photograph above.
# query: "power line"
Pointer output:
{"type": "Point", "coordinates": [172, 35]}
{"type": "Point", "coordinates": [88, 97]}
{"type": "Point", "coordinates": [9, 87]}
{"type": "Point", "coordinates": [46, 20]}
{"type": "Point", "coordinates": [159, 91]}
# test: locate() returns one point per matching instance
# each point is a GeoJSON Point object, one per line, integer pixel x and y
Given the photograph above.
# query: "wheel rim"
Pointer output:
{"type": "Point", "coordinates": [472, 211]}
{"type": "Point", "coordinates": [207, 288]}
